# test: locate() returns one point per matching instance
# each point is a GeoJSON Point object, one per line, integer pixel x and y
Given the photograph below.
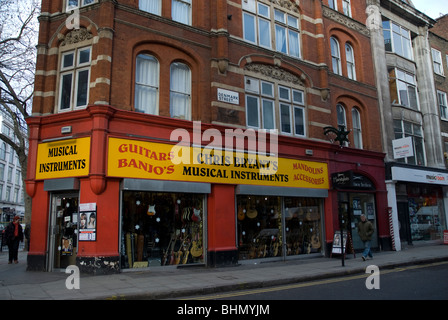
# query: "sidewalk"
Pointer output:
{"type": "Point", "coordinates": [18, 284]}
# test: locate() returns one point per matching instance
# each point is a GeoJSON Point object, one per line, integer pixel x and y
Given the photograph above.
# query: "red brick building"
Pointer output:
{"type": "Point", "coordinates": [114, 96]}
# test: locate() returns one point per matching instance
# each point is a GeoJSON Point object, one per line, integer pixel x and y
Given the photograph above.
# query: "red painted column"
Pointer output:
{"type": "Point", "coordinates": [221, 226]}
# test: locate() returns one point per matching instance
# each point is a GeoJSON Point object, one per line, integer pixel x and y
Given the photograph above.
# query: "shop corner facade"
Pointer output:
{"type": "Point", "coordinates": [185, 133]}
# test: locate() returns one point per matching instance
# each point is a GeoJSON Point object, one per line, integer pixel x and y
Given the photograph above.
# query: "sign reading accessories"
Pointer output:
{"type": "Point", "coordinates": [149, 160]}
{"type": "Point", "coordinates": [63, 158]}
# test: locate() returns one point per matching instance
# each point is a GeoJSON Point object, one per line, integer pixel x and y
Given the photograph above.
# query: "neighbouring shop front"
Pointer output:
{"type": "Point", "coordinates": [279, 223]}
{"type": "Point", "coordinates": [421, 202]}
{"type": "Point", "coordinates": [356, 197]}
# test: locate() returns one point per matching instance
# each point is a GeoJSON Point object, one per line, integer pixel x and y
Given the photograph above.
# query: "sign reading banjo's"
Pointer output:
{"type": "Point", "coordinates": [63, 158]}
{"type": "Point", "coordinates": [149, 160]}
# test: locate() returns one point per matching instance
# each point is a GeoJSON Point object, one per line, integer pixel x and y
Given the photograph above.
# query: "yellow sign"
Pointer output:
{"type": "Point", "coordinates": [148, 160]}
{"type": "Point", "coordinates": [64, 158]}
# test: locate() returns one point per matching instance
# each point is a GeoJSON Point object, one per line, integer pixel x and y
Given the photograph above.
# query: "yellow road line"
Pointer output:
{"type": "Point", "coordinates": [309, 284]}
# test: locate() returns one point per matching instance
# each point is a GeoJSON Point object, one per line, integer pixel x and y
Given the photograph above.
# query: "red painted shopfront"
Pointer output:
{"type": "Point", "coordinates": [109, 193]}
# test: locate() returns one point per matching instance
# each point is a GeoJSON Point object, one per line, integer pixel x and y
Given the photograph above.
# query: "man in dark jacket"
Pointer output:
{"type": "Point", "coordinates": [365, 231]}
{"type": "Point", "coordinates": [13, 236]}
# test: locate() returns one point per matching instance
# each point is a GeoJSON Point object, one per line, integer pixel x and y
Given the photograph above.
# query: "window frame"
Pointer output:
{"type": "Point", "coordinates": [185, 94]}
{"type": "Point", "coordinates": [395, 37]}
{"type": "Point", "coordinates": [335, 56]}
{"type": "Point", "coordinates": [436, 54]}
{"type": "Point", "coordinates": [282, 98]}
{"type": "Point", "coordinates": [357, 128]}
{"type": "Point", "coordinates": [443, 105]}
{"type": "Point", "coordinates": [143, 5]}
{"type": "Point", "coordinates": [142, 85]}
{"type": "Point", "coordinates": [350, 61]}
{"type": "Point", "coordinates": [80, 4]}
{"type": "Point", "coordinates": [74, 70]}
{"type": "Point", "coordinates": [399, 81]}
{"type": "Point", "coordinates": [403, 134]}
{"type": "Point", "coordinates": [187, 20]}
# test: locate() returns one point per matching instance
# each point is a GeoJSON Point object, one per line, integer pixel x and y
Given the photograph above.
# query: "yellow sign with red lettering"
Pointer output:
{"type": "Point", "coordinates": [150, 160]}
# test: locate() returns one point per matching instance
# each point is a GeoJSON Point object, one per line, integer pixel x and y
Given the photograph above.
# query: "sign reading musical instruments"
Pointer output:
{"type": "Point", "coordinates": [63, 158]}
{"type": "Point", "coordinates": [149, 160]}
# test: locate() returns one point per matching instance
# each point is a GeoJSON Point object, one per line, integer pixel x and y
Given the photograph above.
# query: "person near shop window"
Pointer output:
{"type": "Point", "coordinates": [13, 236]}
{"type": "Point", "coordinates": [365, 231]}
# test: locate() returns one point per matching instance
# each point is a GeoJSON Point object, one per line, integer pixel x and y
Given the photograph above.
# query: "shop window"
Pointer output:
{"type": "Point", "coordinates": [161, 229]}
{"type": "Point", "coordinates": [147, 84]}
{"type": "Point", "coordinates": [426, 212]}
{"type": "Point", "coordinates": [265, 230]}
{"type": "Point", "coordinates": [151, 6]}
{"type": "Point", "coordinates": [74, 79]}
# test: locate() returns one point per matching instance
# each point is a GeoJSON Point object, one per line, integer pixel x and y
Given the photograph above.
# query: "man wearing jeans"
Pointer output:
{"type": "Point", "coordinates": [365, 231]}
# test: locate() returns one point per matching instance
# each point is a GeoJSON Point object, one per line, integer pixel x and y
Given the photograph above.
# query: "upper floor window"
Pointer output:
{"type": "Point", "coordinates": [333, 4]}
{"type": "Point", "coordinates": [357, 130]}
{"type": "Point", "coordinates": [180, 91]}
{"type": "Point", "coordinates": [270, 27]}
{"type": "Point", "coordinates": [265, 100]}
{"type": "Point", "coordinates": [346, 8]}
{"type": "Point", "coordinates": [441, 97]}
{"type": "Point", "coordinates": [437, 61]}
{"type": "Point", "coordinates": [404, 129]}
{"type": "Point", "coordinates": [403, 88]}
{"type": "Point", "coordinates": [73, 4]}
{"type": "Point", "coordinates": [397, 39]}
{"type": "Point", "coordinates": [147, 84]}
{"type": "Point", "coordinates": [335, 56]}
{"type": "Point", "coordinates": [181, 11]}
{"type": "Point", "coordinates": [74, 79]}
{"type": "Point", "coordinates": [350, 57]}
{"type": "Point", "coordinates": [151, 6]}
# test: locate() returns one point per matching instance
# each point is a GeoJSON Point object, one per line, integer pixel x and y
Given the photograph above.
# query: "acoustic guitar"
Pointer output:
{"type": "Point", "coordinates": [241, 213]}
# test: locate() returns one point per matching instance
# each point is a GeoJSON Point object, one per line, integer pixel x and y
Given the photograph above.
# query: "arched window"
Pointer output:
{"type": "Point", "coordinates": [350, 57]}
{"type": "Point", "coordinates": [147, 84]}
{"type": "Point", "coordinates": [357, 131]}
{"type": "Point", "coordinates": [335, 56]}
{"type": "Point", "coordinates": [180, 91]}
{"type": "Point", "coordinates": [342, 119]}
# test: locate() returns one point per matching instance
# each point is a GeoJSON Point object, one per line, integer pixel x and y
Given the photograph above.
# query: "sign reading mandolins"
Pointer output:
{"type": "Point", "coordinates": [150, 160]}
{"type": "Point", "coordinates": [63, 158]}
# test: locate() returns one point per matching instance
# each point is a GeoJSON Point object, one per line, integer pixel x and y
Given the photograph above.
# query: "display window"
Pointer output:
{"type": "Point", "coordinates": [161, 229]}
{"type": "Point", "coordinates": [270, 226]}
{"type": "Point", "coordinates": [425, 212]}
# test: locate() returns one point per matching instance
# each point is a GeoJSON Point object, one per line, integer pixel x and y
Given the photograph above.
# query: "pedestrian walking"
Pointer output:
{"type": "Point", "coordinates": [365, 231]}
{"type": "Point", "coordinates": [13, 237]}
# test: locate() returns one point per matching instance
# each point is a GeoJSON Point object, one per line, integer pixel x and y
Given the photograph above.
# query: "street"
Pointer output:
{"type": "Point", "coordinates": [417, 282]}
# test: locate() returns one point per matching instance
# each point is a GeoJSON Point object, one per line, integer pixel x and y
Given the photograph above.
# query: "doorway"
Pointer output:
{"type": "Point", "coordinates": [63, 240]}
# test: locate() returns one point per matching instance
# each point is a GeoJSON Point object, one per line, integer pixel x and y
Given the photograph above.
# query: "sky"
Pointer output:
{"type": "Point", "coordinates": [432, 8]}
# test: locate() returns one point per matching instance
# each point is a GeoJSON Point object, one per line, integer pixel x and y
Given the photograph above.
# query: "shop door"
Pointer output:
{"type": "Point", "coordinates": [403, 219]}
{"type": "Point", "coordinates": [63, 235]}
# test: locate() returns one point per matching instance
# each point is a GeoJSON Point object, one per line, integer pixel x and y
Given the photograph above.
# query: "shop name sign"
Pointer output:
{"type": "Point", "coordinates": [149, 160]}
{"type": "Point", "coordinates": [63, 158]}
